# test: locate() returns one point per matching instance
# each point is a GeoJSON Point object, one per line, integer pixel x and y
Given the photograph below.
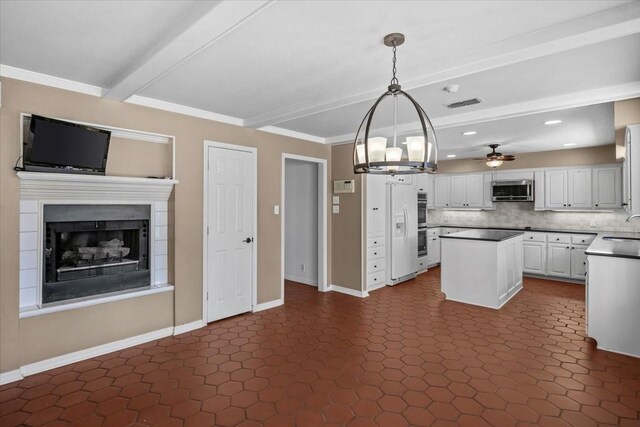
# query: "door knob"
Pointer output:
{"type": "Point", "coordinates": [248, 240]}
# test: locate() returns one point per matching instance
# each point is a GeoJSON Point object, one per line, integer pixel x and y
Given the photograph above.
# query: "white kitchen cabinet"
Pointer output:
{"type": "Point", "coordinates": [467, 191]}
{"type": "Point", "coordinates": [559, 259]}
{"type": "Point", "coordinates": [607, 187]}
{"type": "Point", "coordinates": [424, 184]}
{"type": "Point", "coordinates": [579, 188]}
{"type": "Point", "coordinates": [442, 191]}
{"type": "Point", "coordinates": [555, 189]}
{"type": "Point", "coordinates": [487, 201]}
{"type": "Point", "coordinates": [376, 203]}
{"type": "Point", "coordinates": [400, 179]}
{"type": "Point", "coordinates": [433, 250]}
{"type": "Point", "coordinates": [423, 263]}
{"type": "Point", "coordinates": [534, 257]}
{"type": "Point", "coordinates": [538, 191]}
{"type": "Point", "coordinates": [578, 262]}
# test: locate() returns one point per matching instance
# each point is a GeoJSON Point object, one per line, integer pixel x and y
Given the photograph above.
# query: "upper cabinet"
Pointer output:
{"type": "Point", "coordinates": [631, 174]}
{"type": "Point", "coordinates": [467, 191]}
{"type": "Point", "coordinates": [579, 188]}
{"type": "Point", "coordinates": [607, 187]}
{"type": "Point", "coordinates": [424, 184]}
{"type": "Point", "coordinates": [442, 191]}
{"type": "Point", "coordinates": [555, 189]}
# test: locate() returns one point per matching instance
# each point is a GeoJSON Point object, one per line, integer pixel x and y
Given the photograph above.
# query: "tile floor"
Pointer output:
{"type": "Point", "coordinates": [404, 356]}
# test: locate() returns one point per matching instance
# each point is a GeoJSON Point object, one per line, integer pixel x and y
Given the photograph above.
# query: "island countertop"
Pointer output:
{"type": "Point", "coordinates": [486, 235]}
{"type": "Point", "coordinates": [616, 244]}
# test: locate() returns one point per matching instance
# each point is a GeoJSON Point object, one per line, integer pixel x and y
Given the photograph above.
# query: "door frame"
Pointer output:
{"type": "Point", "coordinates": [205, 209]}
{"type": "Point", "coordinates": [322, 220]}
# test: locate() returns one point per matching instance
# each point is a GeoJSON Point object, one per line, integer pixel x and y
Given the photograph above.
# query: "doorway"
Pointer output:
{"type": "Point", "coordinates": [304, 221]}
{"type": "Point", "coordinates": [230, 229]}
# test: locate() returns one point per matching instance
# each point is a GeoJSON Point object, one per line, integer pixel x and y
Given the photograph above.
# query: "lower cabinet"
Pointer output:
{"type": "Point", "coordinates": [578, 262]}
{"type": "Point", "coordinates": [433, 250]}
{"type": "Point", "coordinates": [422, 264]}
{"type": "Point", "coordinates": [559, 259]}
{"type": "Point", "coordinates": [534, 257]}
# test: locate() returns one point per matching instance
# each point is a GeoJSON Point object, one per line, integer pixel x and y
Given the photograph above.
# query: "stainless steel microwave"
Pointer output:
{"type": "Point", "coordinates": [512, 191]}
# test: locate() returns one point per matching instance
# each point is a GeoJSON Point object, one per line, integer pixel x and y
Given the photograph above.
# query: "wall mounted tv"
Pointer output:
{"type": "Point", "coordinates": [58, 146]}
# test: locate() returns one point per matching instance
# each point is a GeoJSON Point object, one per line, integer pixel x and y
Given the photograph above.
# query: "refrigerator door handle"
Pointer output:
{"type": "Point", "coordinates": [406, 222]}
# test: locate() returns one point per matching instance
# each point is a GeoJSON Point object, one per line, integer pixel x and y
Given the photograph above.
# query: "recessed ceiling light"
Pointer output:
{"type": "Point", "coordinates": [552, 122]}
{"type": "Point", "coordinates": [451, 156]}
{"type": "Point", "coordinates": [569, 144]}
{"type": "Point", "coordinates": [469, 132]}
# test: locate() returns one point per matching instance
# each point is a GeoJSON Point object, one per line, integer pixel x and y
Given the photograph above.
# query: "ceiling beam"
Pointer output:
{"type": "Point", "coordinates": [609, 24]}
{"type": "Point", "coordinates": [555, 103]}
{"type": "Point", "coordinates": [204, 24]}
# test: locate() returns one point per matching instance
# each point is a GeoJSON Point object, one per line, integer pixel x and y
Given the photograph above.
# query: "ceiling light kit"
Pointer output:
{"type": "Point", "coordinates": [374, 155]}
{"type": "Point", "coordinates": [552, 122]}
{"type": "Point", "coordinates": [451, 156]}
{"type": "Point", "coordinates": [569, 144]}
{"type": "Point", "coordinates": [495, 159]}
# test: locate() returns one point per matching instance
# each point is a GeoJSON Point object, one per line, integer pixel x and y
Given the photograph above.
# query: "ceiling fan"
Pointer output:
{"type": "Point", "coordinates": [495, 159]}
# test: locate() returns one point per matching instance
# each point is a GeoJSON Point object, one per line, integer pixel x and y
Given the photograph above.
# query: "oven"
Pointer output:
{"type": "Point", "coordinates": [422, 210]}
{"type": "Point", "coordinates": [422, 241]}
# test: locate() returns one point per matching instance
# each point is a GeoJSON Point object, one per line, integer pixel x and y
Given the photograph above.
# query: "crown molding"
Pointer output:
{"type": "Point", "coordinates": [47, 80]}
{"type": "Point", "coordinates": [293, 134]}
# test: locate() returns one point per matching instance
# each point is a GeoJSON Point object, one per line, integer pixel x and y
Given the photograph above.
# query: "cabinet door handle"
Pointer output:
{"type": "Point", "coordinates": [596, 205]}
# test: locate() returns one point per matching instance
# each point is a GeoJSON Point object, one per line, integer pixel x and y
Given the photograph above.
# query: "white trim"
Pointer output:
{"type": "Point", "coordinates": [323, 248]}
{"type": "Point", "coordinates": [303, 280]}
{"type": "Point", "coordinates": [77, 356]}
{"type": "Point", "coordinates": [48, 80]}
{"type": "Point", "coordinates": [293, 134]}
{"type": "Point", "coordinates": [183, 109]}
{"type": "Point", "coordinates": [188, 327]}
{"type": "Point", "coordinates": [349, 291]}
{"type": "Point", "coordinates": [554, 103]}
{"type": "Point", "coordinates": [97, 300]}
{"type": "Point", "coordinates": [10, 377]}
{"type": "Point", "coordinates": [268, 305]}
{"type": "Point", "coordinates": [205, 217]}
{"type": "Point", "coordinates": [380, 285]}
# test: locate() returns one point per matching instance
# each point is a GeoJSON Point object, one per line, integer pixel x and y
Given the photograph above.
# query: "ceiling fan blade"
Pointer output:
{"type": "Point", "coordinates": [507, 157]}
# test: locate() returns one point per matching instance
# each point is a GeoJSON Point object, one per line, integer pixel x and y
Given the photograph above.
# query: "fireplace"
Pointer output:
{"type": "Point", "coordinates": [91, 250]}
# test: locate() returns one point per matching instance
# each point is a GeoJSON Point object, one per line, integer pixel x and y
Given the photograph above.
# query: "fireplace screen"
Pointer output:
{"type": "Point", "coordinates": [94, 249]}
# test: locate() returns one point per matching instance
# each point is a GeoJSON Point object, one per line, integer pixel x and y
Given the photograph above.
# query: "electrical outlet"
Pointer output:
{"type": "Point", "coordinates": [446, 219]}
{"type": "Point", "coordinates": [592, 223]}
{"type": "Point", "coordinates": [336, 209]}
{"type": "Point", "coordinates": [302, 267]}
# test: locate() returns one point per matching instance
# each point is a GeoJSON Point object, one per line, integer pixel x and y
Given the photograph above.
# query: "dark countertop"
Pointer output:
{"type": "Point", "coordinates": [613, 248]}
{"type": "Point", "coordinates": [486, 235]}
{"type": "Point", "coordinates": [533, 230]}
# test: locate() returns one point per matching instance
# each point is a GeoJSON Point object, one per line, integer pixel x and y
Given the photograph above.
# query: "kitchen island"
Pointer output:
{"type": "Point", "coordinates": [613, 292]}
{"type": "Point", "coordinates": [481, 267]}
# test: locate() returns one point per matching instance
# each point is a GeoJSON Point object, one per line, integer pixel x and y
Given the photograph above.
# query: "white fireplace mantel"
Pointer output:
{"type": "Point", "coordinates": [38, 189]}
{"type": "Point", "coordinates": [56, 186]}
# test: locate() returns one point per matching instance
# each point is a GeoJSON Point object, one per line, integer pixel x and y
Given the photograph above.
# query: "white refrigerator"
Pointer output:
{"type": "Point", "coordinates": [403, 233]}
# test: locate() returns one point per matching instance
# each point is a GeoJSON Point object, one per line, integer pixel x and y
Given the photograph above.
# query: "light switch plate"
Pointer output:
{"type": "Point", "coordinates": [336, 209]}
{"type": "Point", "coordinates": [336, 200]}
{"type": "Point", "coordinates": [276, 210]}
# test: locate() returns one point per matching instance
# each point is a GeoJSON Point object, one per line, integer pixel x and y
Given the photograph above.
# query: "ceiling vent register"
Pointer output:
{"type": "Point", "coordinates": [465, 103]}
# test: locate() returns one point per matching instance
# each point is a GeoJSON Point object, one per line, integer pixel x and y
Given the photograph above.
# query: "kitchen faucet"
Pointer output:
{"type": "Point", "coordinates": [633, 216]}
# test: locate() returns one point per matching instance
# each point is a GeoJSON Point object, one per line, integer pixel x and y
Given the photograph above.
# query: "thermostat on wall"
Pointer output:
{"type": "Point", "coordinates": [344, 186]}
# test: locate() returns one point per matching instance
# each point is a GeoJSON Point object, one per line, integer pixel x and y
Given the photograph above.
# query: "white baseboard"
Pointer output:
{"type": "Point", "coordinates": [77, 356]}
{"type": "Point", "coordinates": [188, 327]}
{"type": "Point", "coordinates": [10, 377]}
{"type": "Point", "coordinates": [349, 291]}
{"type": "Point", "coordinates": [302, 280]}
{"type": "Point", "coordinates": [268, 305]}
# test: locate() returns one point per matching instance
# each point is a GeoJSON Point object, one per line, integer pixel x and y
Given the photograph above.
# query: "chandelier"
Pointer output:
{"type": "Point", "coordinates": [377, 155]}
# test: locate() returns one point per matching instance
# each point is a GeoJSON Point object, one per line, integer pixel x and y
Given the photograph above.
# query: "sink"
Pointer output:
{"type": "Point", "coordinates": [621, 239]}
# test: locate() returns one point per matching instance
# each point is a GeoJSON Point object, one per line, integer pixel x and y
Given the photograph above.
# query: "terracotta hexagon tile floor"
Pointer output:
{"type": "Point", "coordinates": [403, 356]}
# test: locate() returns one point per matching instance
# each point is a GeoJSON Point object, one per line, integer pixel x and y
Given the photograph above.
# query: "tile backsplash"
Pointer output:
{"type": "Point", "coordinates": [521, 214]}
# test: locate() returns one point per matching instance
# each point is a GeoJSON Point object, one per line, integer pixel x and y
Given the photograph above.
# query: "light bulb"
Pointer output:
{"type": "Point", "coordinates": [377, 147]}
{"type": "Point", "coordinates": [415, 148]}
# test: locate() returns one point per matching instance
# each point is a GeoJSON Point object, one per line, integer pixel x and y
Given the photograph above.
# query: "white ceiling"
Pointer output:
{"type": "Point", "coordinates": [315, 67]}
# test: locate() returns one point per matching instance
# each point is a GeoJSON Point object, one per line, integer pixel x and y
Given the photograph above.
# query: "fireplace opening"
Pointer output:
{"type": "Point", "coordinates": [93, 250]}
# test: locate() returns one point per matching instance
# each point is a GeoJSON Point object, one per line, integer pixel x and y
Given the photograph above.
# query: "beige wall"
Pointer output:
{"type": "Point", "coordinates": [625, 113]}
{"type": "Point", "coordinates": [346, 260]}
{"type": "Point", "coordinates": [21, 340]}
{"type": "Point", "coordinates": [572, 157]}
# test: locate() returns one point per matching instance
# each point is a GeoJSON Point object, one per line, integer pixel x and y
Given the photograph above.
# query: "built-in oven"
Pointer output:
{"type": "Point", "coordinates": [512, 191]}
{"type": "Point", "coordinates": [422, 210]}
{"type": "Point", "coordinates": [422, 241]}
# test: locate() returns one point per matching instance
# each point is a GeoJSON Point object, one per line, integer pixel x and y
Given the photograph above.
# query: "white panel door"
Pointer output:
{"type": "Point", "coordinates": [558, 260]}
{"type": "Point", "coordinates": [230, 244]}
{"type": "Point", "coordinates": [579, 188]}
{"type": "Point", "coordinates": [555, 191]}
{"type": "Point", "coordinates": [475, 191]}
{"type": "Point", "coordinates": [534, 254]}
{"type": "Point", "coordinates": [458, 191]}
{"type": "Point", "coordinates": [442, 191]}
{"type": "Point", "coordinates": [607, 188]}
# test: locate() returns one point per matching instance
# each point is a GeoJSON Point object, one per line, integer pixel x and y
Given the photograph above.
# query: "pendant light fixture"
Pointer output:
{"type": "Point", "coordinates": [377, 155]}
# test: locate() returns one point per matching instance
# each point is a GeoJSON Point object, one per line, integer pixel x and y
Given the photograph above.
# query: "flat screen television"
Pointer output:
{"type": "Point", "coordinates": [57, 146]}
